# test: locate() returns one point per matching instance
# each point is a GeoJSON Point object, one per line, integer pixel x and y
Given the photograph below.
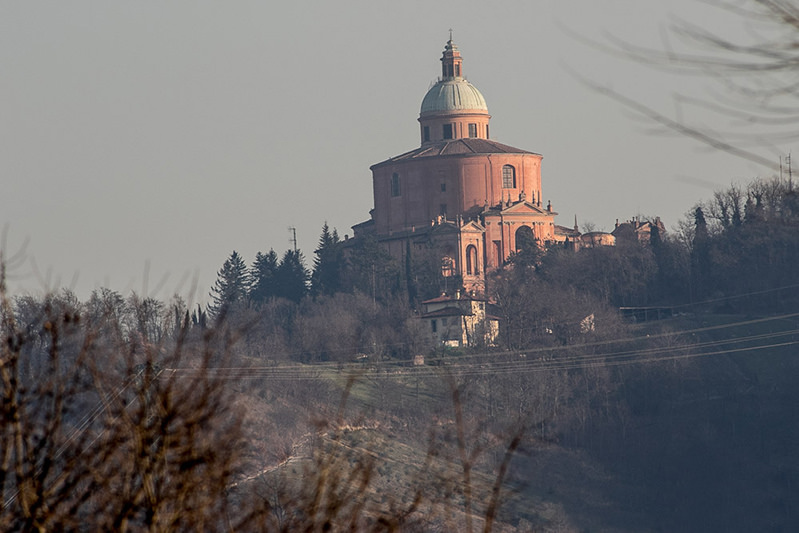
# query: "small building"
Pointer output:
{"type": "Point", "coordinates": [574, 240]}
{"type": "Point", "coordinates": [595, 239]}
{"type": "Point", "coordinates": [639, 230]}
{"type": "Point", "coordinates": [459, 321]}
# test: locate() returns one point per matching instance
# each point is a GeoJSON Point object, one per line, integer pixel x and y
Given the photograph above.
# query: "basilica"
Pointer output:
{"type": "Point", "coordinates": [476, 201]}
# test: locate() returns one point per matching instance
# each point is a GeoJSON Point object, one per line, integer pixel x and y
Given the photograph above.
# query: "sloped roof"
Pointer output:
{"type": "Point", "coordinates": [522, 207]}
{"type": "Point", "coordinates": [446, 312]}
{"type": "Point", "coordinates": [447, 298]}
{"type": "Point", "coordinates": [564, 230]}
{"type": "Point", "coordinates": [457, 147]}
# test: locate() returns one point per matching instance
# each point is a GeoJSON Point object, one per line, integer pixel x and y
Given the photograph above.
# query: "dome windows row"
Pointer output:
{"type": "Point", "coordinates": [454, 130]}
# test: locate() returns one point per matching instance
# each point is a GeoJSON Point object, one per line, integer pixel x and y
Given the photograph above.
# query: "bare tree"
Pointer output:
{"type": "Point", "coordinates": [97, 433]}
{"type": "Point", "coordinates": [753, 102]}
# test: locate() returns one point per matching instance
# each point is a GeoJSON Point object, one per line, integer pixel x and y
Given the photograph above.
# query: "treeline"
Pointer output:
{"type": "Point", "coordinates": [355, 299]}
{"type": "Point", "coordinates": [359, 266]}
{"type": "Point", "coordinates": [745, 241]}
{"type": "Point", "coordinates": [737, 252]}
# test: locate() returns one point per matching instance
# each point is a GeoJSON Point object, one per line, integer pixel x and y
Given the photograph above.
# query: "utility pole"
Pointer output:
{"type": "Point", "coordinates": [790, 171]}
{"type": "Point", "coordinates": [293, 238]}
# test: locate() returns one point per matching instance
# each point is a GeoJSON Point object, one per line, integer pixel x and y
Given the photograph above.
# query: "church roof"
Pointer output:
{"type": "Point", "coordinates": [453, 95]}
{"type": "Point", "coordinates": [452, 92]}
{"type": "Point", "coordinates": [457, 147]}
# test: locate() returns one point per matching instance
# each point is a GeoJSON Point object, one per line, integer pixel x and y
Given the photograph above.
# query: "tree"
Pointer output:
{"type": "Point", "coordinates": [326, 276]}
{"type": "Point", "coordinates": [263, 281]}
{"type": "Point", "coordinates": [291, 277]}
{"type": "Point", "coordinates": [672, 258]}
{"type": "Point", "coordinates": [230, 288]}
{"type": "Point", "coordinates": [528, 250]}
{"type": "Point", "coordinates": [616, 275]}
{"type": "Point", "coordinates": [146, 318]}
{"type": "Point", "coordinates": [105, 308]}
{"type": "Point", "coordinates": [430, 271]}
{"type": "Point", "coordinates": [755, 98]}
{"type": "Point", "coordinates": [750, 253]}
{"type": "Point", "coordinates": [92, 438]}
{"type": "Point", "coordinates": [370, 269]}
{"type": "Point", "coordinates": [700, 254]}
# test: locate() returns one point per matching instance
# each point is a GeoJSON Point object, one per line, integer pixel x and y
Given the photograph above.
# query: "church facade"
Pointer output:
{"type": "Point", "coordinates": [474, 200]}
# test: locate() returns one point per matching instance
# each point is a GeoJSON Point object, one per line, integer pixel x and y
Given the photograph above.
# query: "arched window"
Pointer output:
{"type": "Point", "coordinates": [508, 177]}
{"type": "Point", "coordinates": [525, 240]}
{"type": "Point", "coordinates": [395, 184]}
{"type": "Point", "coordinates": [471, 260]}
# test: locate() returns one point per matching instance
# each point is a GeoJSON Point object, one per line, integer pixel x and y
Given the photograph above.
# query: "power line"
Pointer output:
{"type": "Point", "coordinates": [311, 371]}
{"type": "Point", "coordinates": [575, 359]}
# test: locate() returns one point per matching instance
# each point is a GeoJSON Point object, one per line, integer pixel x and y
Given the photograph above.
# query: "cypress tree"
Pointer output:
{"type": "Point", "coordinates": [700, 254]}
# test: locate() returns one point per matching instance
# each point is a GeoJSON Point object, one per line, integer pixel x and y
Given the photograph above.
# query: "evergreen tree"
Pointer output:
{"type": "Point", "coordinates": [528, 250]}
{"type": "Point", "coordinates": [230, 288]}
{"type": "Point", "coordinates": [326, 276]}
{"type": "Point", "coordinates": [263, 280]}
{"type": "Point", "coordinates": [199, 318]}
{"type": "Point", "coordinates": [700, 254]}
{"type": "Point", "coordinates": [371, 270]}
{"type": "Point", "coordinates": [291, 277]}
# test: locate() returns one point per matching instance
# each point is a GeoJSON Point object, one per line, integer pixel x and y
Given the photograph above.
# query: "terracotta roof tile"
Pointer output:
{"type": "Point", "coordinates": [455, 148]}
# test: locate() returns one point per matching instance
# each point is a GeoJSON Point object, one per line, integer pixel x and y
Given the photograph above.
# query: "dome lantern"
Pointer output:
{"type": "Point", "coordinates": [453, 108]}
{"type": "Point", "coordinates": [451, 61]}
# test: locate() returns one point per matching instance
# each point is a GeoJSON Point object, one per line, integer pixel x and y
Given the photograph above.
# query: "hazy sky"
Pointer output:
{"type": "Point", "coordinates": [141, 142]}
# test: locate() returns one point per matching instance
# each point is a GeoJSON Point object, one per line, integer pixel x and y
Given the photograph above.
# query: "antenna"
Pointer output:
{"type": "Point", "coordinates": [293, 238]}
{"type": "Point", "coordinates": [790, 174]}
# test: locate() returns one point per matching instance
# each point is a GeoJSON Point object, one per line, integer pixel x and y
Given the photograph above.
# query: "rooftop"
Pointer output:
{"type": "Point", "coordinates": [453, 95]}
{"type": "Point", "coordinates": [457, 147]}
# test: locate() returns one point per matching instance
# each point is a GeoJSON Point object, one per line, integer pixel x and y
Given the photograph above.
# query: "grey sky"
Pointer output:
{"type": "Point", "coordinates": [142, 142]}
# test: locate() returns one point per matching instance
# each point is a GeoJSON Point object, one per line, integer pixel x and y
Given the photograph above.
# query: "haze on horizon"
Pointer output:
{"type": "Point", "coordinates": [142, 143]}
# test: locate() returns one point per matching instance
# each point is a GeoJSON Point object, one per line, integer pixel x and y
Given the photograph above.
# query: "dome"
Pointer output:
{"type": "Point", "coordinates": [453, 95]}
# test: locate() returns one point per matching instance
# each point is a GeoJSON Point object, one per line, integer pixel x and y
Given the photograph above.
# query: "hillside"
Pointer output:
{"type": "Point", "coordinates": [700, 443]}
{"type": "Point", "coordinates": [309, 411]}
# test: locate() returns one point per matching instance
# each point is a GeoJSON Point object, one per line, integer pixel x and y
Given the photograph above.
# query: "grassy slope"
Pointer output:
{"type": "Point", "coordinates": [706, 446]}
